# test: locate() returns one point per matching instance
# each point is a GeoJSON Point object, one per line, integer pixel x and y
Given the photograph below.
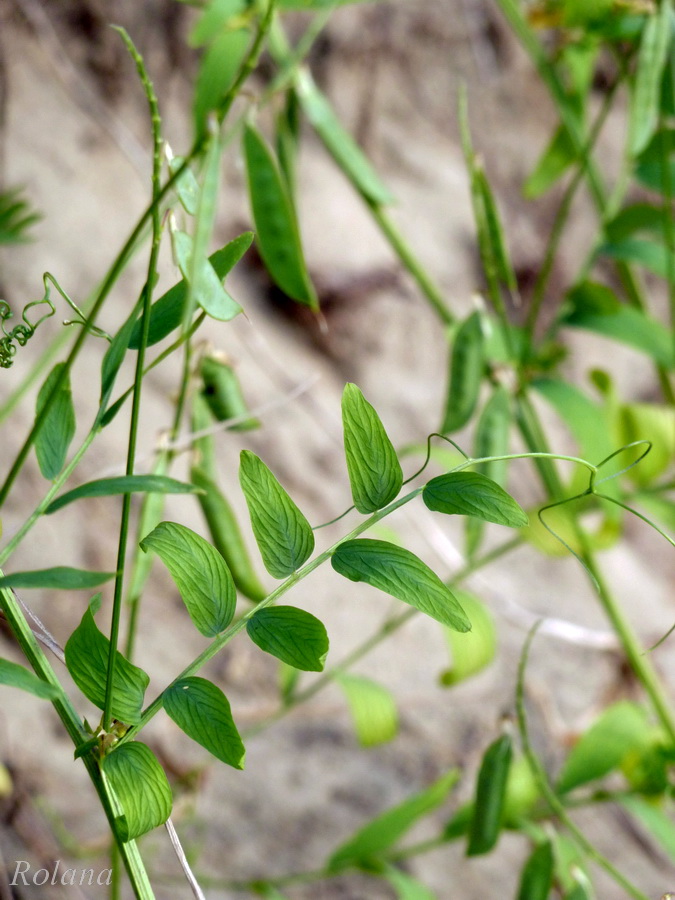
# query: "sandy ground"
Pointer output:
{"type": "Point", "coordinates": [393, 72]}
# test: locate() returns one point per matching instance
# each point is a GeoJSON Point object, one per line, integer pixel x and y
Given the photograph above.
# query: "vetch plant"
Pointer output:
{"type": "Point", "coordinates": [497, 364]}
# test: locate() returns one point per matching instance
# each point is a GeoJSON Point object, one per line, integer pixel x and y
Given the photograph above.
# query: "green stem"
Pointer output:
{"type": "Point", "coordinates": [549, 794]}
{"type": "Point", "coordinates": [138, 379]}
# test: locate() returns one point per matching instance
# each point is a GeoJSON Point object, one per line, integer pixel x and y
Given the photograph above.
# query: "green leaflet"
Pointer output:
{"type": "Point", "coordinates": [59, 578]}
{"type": "Point", "coordinates": [655, 818]}
{"type": "Point", "coordinates": [595, 307]}
{"type": "Point", "coordinates": [407, 888]}
{"type": "Point", "coordinates": [339, 143]}
{"type": "Point", "coordinates": [114, 357]}
{"type": "Point", "coordinates": [554, 162]}
{"type": "Point", "coordinates": [619, 730]}
{"type": "Point", "coordinates": [536, 879]}
{"type": "Point", "coordinates": [403, 575]}
{"type": "Point", "coordinates": [653, 256]}
{"type": "Point", "coordinates": [166, 314]}
{"type": "Point", "coordinates": [209, 292]}
{"type": "Point", "coordinates": [202, 711]}
{"type": "Point", "coordinates": [387, 829]}
{"type": "Point", "coordinates": [87, 652]}
{"type": "Point", "coordinates": [465, 374]}
{"type": "Point", "coordinates": [655, 166]}
{"type": "Point", "coordinates": [217, 71]}
{"type": "Point", "coordinates": [18, 676]}
{"type": "Point", "coordinates": [200, 573]}
{"type": "Point", "coordinates": [473, 494]}
{"type": "Point", "coordinates": [287, 138]}
{"type": "Point", "coordinates": [57, 427]}
{"type": "Point", "coordinates": [187, 186]}
{"type": "Point", "coordinates": [373, 709]}
{"type": "Point", "coordinates": [214, 18]}
{"type": "Point", "coordinates": [490, 795]}
{"type": "Point", "coordinates": [124, 484]}
{"type": "Point", "coordinates": [292, 635]}
{"type": "Point", "coordinates": [374, 471]}
{"type": "Point", "coordinates": [636, 218]}
{"type": "Point", "coordinates": [227, 537]}
{"type": "Point", "coordinates": [473, 651]}
{"type": "Point", "coordinates": [139, 788]}
{"type": "Point", "coordinates": [275, 221]}
{"type": "Point", "coordinates": [283, 534]}
{"type": "Point", "coordinates": [652, 58]}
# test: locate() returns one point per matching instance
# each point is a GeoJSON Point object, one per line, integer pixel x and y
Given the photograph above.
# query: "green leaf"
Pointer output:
{"type": "Point", "coordinates": [653, 422]}
{"type": "Point", "coordinates": [283, 534]}
{"type": "Point", "coordinates": [473, 494]}
{"type": "Point", "coordinates": [373, 709]}
{"type": "Point", "coordinates": [223, 394]}
{"type": "Point", "coordinates": [465, 374]}
{"type": "Point", "coordinates": [209, 292]}
{"type": "Point", "coordinates": [276, 221]}
{"type": "Point", "coordinates": [139, 788]}
{"type": "Point", "coordinates": [655, 166]}
{"type": "Point", "coordinates": [652, 58]}
{"type": "Point", "coordinates": [653, 256]}
{"type": "Point", "coordinates": [213, 20]}
{"type": "Point", "coordinates": [407, 888]}
{"type": "Point", "coordinates": [339, 143]}
{"type": "Point", "coordinates": [60, 578]}
{"type": "Point", "coordinates": [187, 186]}
{"type": "Point", "coordinates": [552, 164]}
{"type": "Point", "coordinates": [124, 484]}
{"type": "Point", "coordinates": [87, 654]}
{"type": "Point", "coordinates": [403, 575]}
{"type": "Point", "coordinates": [166, 314]}
{"type": "Point", "coordinates": [200, 573]}
{"type": "Point", "coordinates": [57, 427]}
{"type": "Point", "coordinates": [292, 635]}
{"type": "Point", "coordinates": [18, 676]}
{"type": "Point", "coordinates": [16, 217]}
{"type": "Point", "coordinates": [594, 307]}
{"type": "Point", "coordinates": [634, 219]}
{"type": "Point", "coordinates": [387, 829]}
{"type": "Point", "coordinates": [374, 470]}
{"type": "Point", "coordinates": [653, 815]}
{"type": "Point", "coordinates": [620, 729]}
{"type": "Point", "coordinates": [490, 796]}
{"type": "Point", "coordinates": [473, 651]}
{"type": "Point", "coordinates": [217, 71]}
{"type": "Point", "coordinates": [202, 711]}
{"type": "Point", "coordinates": [536, 879]}
{"type": "Point", "coordinates": [114, 356]}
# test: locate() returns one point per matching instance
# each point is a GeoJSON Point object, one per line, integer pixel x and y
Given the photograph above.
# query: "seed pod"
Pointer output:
{"type": "Point", "coordinates": [490, 793]}
{"type": "Point", "coordinates": [226, 536]}
{"type": "Point", "coordinates": [466, 371]}
{"type": "Point", "coordinates": [536, 878]}
{"type": "Point", "coordinates": [223, 393]}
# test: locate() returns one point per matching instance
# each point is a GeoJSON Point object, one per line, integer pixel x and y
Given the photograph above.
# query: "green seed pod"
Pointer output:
{"type": "Point", "coordinates": [223, 393]}
{"type": "Point", "coordinates": [536, 878]}
{"type": "Point", "coordinates": [466, 371]}
{"type": "Point", "coordinates": [226, 536]}
{"type": "Point", "coordinates": [490, 793]}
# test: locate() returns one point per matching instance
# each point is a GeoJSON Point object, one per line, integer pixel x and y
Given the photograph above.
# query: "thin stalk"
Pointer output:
{"type": "Point", "coordinates": [384, 632]}
{"type": "Point", "coordinates": [138, 380]}
{"type": "Point", "coordinates": [562, 214]}
{"type": "Point", "coordinates": [640, 663]}
{"type": "Point", "coordinates": [549, 794]}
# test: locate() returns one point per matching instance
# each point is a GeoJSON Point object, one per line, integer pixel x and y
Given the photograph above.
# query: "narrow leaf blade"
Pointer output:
{"type": "Point", "coordinates": [58, 578]}
{"type": "Point", "coordinates": [14, 675]}
{"type": "Point", "coordinates": [57, 427]}
{"type": "Point", "coordinates": [202, 711]}
{"type": "Point", "coordinates": [125, 484]}
{"type": "Point", "coordinates": [403, 575]}
{"type": "Point", "coordinates": [488, 809]}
